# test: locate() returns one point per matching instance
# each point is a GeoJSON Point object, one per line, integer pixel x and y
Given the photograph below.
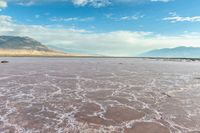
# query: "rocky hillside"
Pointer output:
{"type": "Point", "coordinates": [25, 43]}
{"type": "Point", "coordinates": [26, 46]}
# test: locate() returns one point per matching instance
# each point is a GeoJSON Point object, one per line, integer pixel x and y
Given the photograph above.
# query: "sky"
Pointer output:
{"type": "Point", "coordinates": [104, 27]}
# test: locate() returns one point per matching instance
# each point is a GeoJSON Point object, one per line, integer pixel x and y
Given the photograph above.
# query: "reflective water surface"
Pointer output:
{"type": "Point", "coordinates": [66, 95]}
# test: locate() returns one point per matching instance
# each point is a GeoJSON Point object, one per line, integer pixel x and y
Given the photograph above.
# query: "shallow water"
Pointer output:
{"type": "Point", "coordinates": [64, 95]}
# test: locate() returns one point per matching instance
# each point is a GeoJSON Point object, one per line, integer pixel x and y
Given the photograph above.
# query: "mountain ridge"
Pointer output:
{"type": "Point", "coordinates": [25, 43]}
{"type": "Point", "coordinates": [17, 46]}
{"type": "Point", "coordinates": [177, 52]}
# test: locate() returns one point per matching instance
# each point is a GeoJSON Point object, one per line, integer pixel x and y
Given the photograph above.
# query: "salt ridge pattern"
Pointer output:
{"type": "Point", "coordinates": [62, 95]}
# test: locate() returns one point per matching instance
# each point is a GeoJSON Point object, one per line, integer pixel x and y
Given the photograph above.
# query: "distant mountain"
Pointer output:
{"type": "Point", "coordinates": [18, 43]}
{"type": "Point", "coordinates": [178, 52]}
{"type": "Point", "coordinates": [26, 46]}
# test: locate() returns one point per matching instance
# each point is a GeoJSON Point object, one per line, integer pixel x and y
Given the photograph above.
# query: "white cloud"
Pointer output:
{"type": "Point", "coordinates": [140, 1]}
{"type": "Point", "coordinates": [94, 3]}
{"type": "Point", "coordinates": [123, 18]}
{"type": "Point", "coordinates": [128, 18]}
{"type": "Point", "coordinates": [80, 2]}
{"type": "Point", "coordinates": [57, 19]}
{"type": "Point", "coordinates": [3, 4]}
{"type": "Point", "coordinates": [175, 18]}
{"type": "Point", "coordinates": [121, 43]}
{"type": "Point", "coordinates": [160, 0]}
{"type": "Point", "coordinates": [25, 2]}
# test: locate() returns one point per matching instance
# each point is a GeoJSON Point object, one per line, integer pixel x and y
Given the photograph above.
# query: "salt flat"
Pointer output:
{"type": "Point", "coordinates": [88, 95]}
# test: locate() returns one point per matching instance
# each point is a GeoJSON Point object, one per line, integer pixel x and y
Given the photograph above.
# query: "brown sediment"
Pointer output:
{"type": "Point", "coordinates": [52, 95]}
{"type": "Point", "coordinates": [49, 130]}
{"type": "Point", "coordinates": [89, 109]}
{"type": "Point", "coordinates": [28, 122]}
{"type": "Point", "coordinates": [8, 129]}
{"type": "Point", "coordinates": [36, 116]}
{"type": "Point", "coordinates": [125, 101]}
{"type": "Point", "coordinates": [95, 120]}
{"type": "Point", "coordinates": [147, 127]}
{"type": "Point", "coordinates": [121, 114]}
{"type": "Point", "coordinates": [85, 115]}
{"type": "Point", "coordinates": [99, 94]}
{"type": "Point", "coordinates": [185, 122]}
{"type": "Point", "coordinates": [120, 99]}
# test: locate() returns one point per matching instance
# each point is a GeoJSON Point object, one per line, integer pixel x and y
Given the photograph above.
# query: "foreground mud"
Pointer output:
{"type": "Point", "coordinates": [52, 95]}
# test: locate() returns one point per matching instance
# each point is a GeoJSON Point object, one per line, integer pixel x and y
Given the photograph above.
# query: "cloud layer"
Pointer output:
{"type": "Point", "coordinates": [3, 4]}
{"type": "Point", "coordinates": [175, 18]}
{"type": "Point", "coordinates": [123, 18]}
{"type": "Point", "coordinates": [92, 3]}
{"type": "Point", "coordinates": [119, 43]}
{"type": "Point", "coordinates": [77, 19]}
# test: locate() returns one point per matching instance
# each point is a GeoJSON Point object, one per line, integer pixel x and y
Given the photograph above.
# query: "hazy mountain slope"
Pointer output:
{"type": "Point", "coordinates": [26, 43]}
{"type": "Point", "coordinates": [25, 46]}
{"type": "Point", "coordinates": [178, 52]}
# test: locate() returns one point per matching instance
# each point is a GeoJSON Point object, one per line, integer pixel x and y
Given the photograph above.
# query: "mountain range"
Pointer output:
{"type": "Point", "coordinates": [25, 43]}
{"type": "Point", "coordinates": [178, 52]}
{"type": "Point", "coordinates": [26, 46]}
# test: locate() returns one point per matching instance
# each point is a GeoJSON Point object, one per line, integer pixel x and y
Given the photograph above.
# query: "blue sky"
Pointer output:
{"type": "Point", "coordinates": [104, 27]}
